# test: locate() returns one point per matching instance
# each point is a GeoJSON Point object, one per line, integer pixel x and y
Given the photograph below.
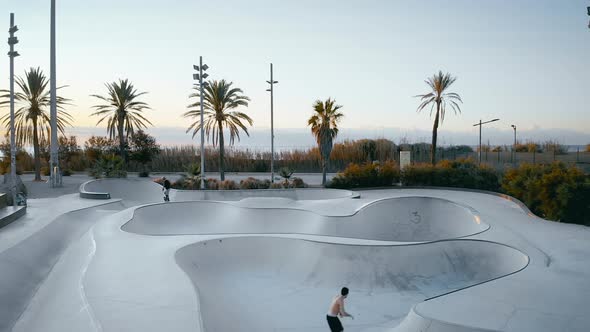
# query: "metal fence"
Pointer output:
{"type": "Point", "coordinates": [503, 159]}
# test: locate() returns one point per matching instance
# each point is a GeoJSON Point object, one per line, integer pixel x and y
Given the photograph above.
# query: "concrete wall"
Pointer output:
{"type": "Point", "coordinates": [406, 219]}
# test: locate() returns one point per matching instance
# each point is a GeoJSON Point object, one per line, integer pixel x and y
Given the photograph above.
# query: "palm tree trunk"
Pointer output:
{"type": "Point", "coordinates": [221, 151]}
{"type": "Point", "coordinates": [324, 167]}
{"type": "Point", "coordinates": [434, 135]}
{"type": "Point", "coordinates": [36, 151]}
{"type": "Point", "coordinates": [120, 123]}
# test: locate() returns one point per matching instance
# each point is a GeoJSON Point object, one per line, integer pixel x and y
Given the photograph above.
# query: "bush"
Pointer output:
{"type": "Point", "coordinates": [66, 172]}
{"type": "Point", "coordinates": [252, 183]}
{"type": "Point", "coordinates": [298, 183]}
{"type": "Point", "coordinates": [249, 183]}
{"type": "Point", "coordinates": [276, 186]}
{"type": "Point", "coordinates": [228, 185]}
{"type": "Point", "coordinates": [554, 147]}
{"type": "Point", "coordinates": [555, 191]}
{"type": "Point", "coordinates": [588, 148]}
{"type": "Point", "coordinates": [463, 173]}
{"type": "Point", "coordinates": [45, 171]}
{"type": "Point", "coordinates": [367, 175]}
{"type": "Point", "coordinates": [212, 184]}
{"type": "Point", "coordinates": [143, 174]}
{"type": "Point", "coordinates": [528, 147]}
{"type": "Point", "coordinates": [263, 184]}
{"type": "Point", "coordinates": [109, 167]}
{"type": "Point", "coordinates": [286, 173]}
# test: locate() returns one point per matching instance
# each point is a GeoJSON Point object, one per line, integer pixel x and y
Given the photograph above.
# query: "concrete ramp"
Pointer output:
{"type": "Point", "coordinates": [132, 191]}
{"type": "Point", "coordinates": [404, 219]}
{"type": "Point", "coordinates": [271, 284]}
{"type": "Point", "coordinates": [25, 266]}
{"type": "Point", "coordinates": [141, 191]}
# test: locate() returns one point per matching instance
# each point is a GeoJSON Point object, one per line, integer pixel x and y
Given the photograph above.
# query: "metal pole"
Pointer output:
{"type": "Point", "coordinates": [480, 141]}
{"type": "Point", "coordinates": [514, 146]}
{"type": "Point", "coordinates": [272, 132]}
{"type": "Point", "coordinates": [202, 124]}
{"type": "Point", "coordinates": [12, 54]}
{"type": "Point", "coordinates": [55, 178]}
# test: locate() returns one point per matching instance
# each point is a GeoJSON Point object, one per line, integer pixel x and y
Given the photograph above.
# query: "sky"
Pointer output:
{"type": "Point", "coordinates": [525, 62]}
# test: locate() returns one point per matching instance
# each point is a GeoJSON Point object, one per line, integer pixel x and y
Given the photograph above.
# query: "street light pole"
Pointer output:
{"type": "Point", "coordinates": [480, 124]}
{"type": "Point", "coordinates": [201, 68]}
{"type": "Point", "coordinates": [12, 40]}
{"type": "Point", "coordinates": [272, 82]}
{"type": "Point", "coordinates": [55, 178]}
{"type": "Point", "coordinates": [514, 146]}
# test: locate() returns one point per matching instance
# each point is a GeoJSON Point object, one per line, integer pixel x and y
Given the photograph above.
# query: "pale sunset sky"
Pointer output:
{"type": "Point", "coordinates": [526, 62]}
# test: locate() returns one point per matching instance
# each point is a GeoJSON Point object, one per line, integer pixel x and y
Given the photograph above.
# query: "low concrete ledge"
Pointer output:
{"type": "Point", "coordinates": [92, 194]}
{"type": "Point", "coordinates": [10, 214]}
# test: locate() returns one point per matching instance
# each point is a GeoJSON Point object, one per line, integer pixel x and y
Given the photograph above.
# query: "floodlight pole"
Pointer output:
{"type": "Point", "coordinates": [514, 146]}
{"type": "Point", "coordinates": [272, 82]}
{"type": "Point", "coordinates": [55, 177]}
{"type": "Point", "coordinates": [12, 54]}
{"type": "Point", "coordinates": [201, 68]}
{"type": "Point", "coordinates": [480, 124]}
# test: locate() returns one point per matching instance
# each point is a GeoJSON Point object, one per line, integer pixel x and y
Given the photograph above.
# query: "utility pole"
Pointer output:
{"type": "Point", "coordinates": [514, 146]}
{"type": "Point", "coordinates": [12, 40]}
{"type": "Point", "coordinates": [55, 177]}
{"type": "Point", "coordinates": [201, 68]}
{"type": "Point", "coordinates": [272, 82]}
{"type": "Point", "coordinates": [480, 124]}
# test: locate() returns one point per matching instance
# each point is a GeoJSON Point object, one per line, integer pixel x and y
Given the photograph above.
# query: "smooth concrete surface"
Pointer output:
{"type": "Point", "coordinates": [385, 281]}
{"type": "Point", "coordinates": [26, 264]}
{"type": "Point", "coordinates": [98, 269]}
{"type": "Point", "coordinates": [404, 219]}
{"type": "Point", "coordinates": [147, 191]}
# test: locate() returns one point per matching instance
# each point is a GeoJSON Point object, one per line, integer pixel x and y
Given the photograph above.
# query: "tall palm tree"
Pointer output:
{"type": "Point", "coordinates": [439, 83]}
{"type": "Point", "coordinates": [122, 111]}
{"type": "Point", "coordinates": [220, 100]}
{"type": "Point", "coordinates": [31, 119]}
{"type": "Point", "coordinates": [324, 127]}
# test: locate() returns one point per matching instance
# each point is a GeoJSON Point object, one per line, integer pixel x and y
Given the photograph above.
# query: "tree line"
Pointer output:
{"type": "Point", "coordinates": [123, 112]}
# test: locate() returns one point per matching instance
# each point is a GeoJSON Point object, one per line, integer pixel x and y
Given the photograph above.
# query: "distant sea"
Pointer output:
{"type": "Point", "coordinates": [301, 138]}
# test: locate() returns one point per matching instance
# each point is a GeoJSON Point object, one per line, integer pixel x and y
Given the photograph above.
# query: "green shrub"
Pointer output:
{"type": "Point", "coordinates": [463, 173]}
{"type": "Point", "coordinates": [555, 191]}
{"type": "Point", "coordinates": [367, 175]}
{"type": "Point", "coordinates": [143, 174]}
{"type": "Point", "coordinates": [66, 172]}
{"type": "Point", "coordinates": [193, 169]}
{"type": "Point", "coordinates": [108, 166]}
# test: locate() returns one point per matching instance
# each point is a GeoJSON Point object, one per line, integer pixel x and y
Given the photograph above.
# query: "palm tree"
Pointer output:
{"type": "Point", "coordinates": [219, 102]}
{"type": "Point", "coordinates": [438, 97]}
{"type": "Point", "coordinates": [324, 127]}
{"type": "Point", "coordinates": [31, 119]}
{"type": "Point", "coordinates": [122, 111]}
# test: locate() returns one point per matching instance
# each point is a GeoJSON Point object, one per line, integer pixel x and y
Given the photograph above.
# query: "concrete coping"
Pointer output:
{"type": "Point", "coordinates": [92, 194]}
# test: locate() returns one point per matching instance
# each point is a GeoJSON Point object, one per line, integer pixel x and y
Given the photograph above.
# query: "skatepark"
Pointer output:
{"type": "Point", "coordinates": [115, 257]}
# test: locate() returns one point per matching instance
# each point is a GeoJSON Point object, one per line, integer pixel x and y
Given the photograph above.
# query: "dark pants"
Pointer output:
{"type": "Point", "coordinates": [334, 323]}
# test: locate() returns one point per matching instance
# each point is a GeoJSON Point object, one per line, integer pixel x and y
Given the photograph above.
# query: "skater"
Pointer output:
{"type": "Point", "coordinates": [166, 189]}
{"type": "Point", "coordinates": [337, 309]}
